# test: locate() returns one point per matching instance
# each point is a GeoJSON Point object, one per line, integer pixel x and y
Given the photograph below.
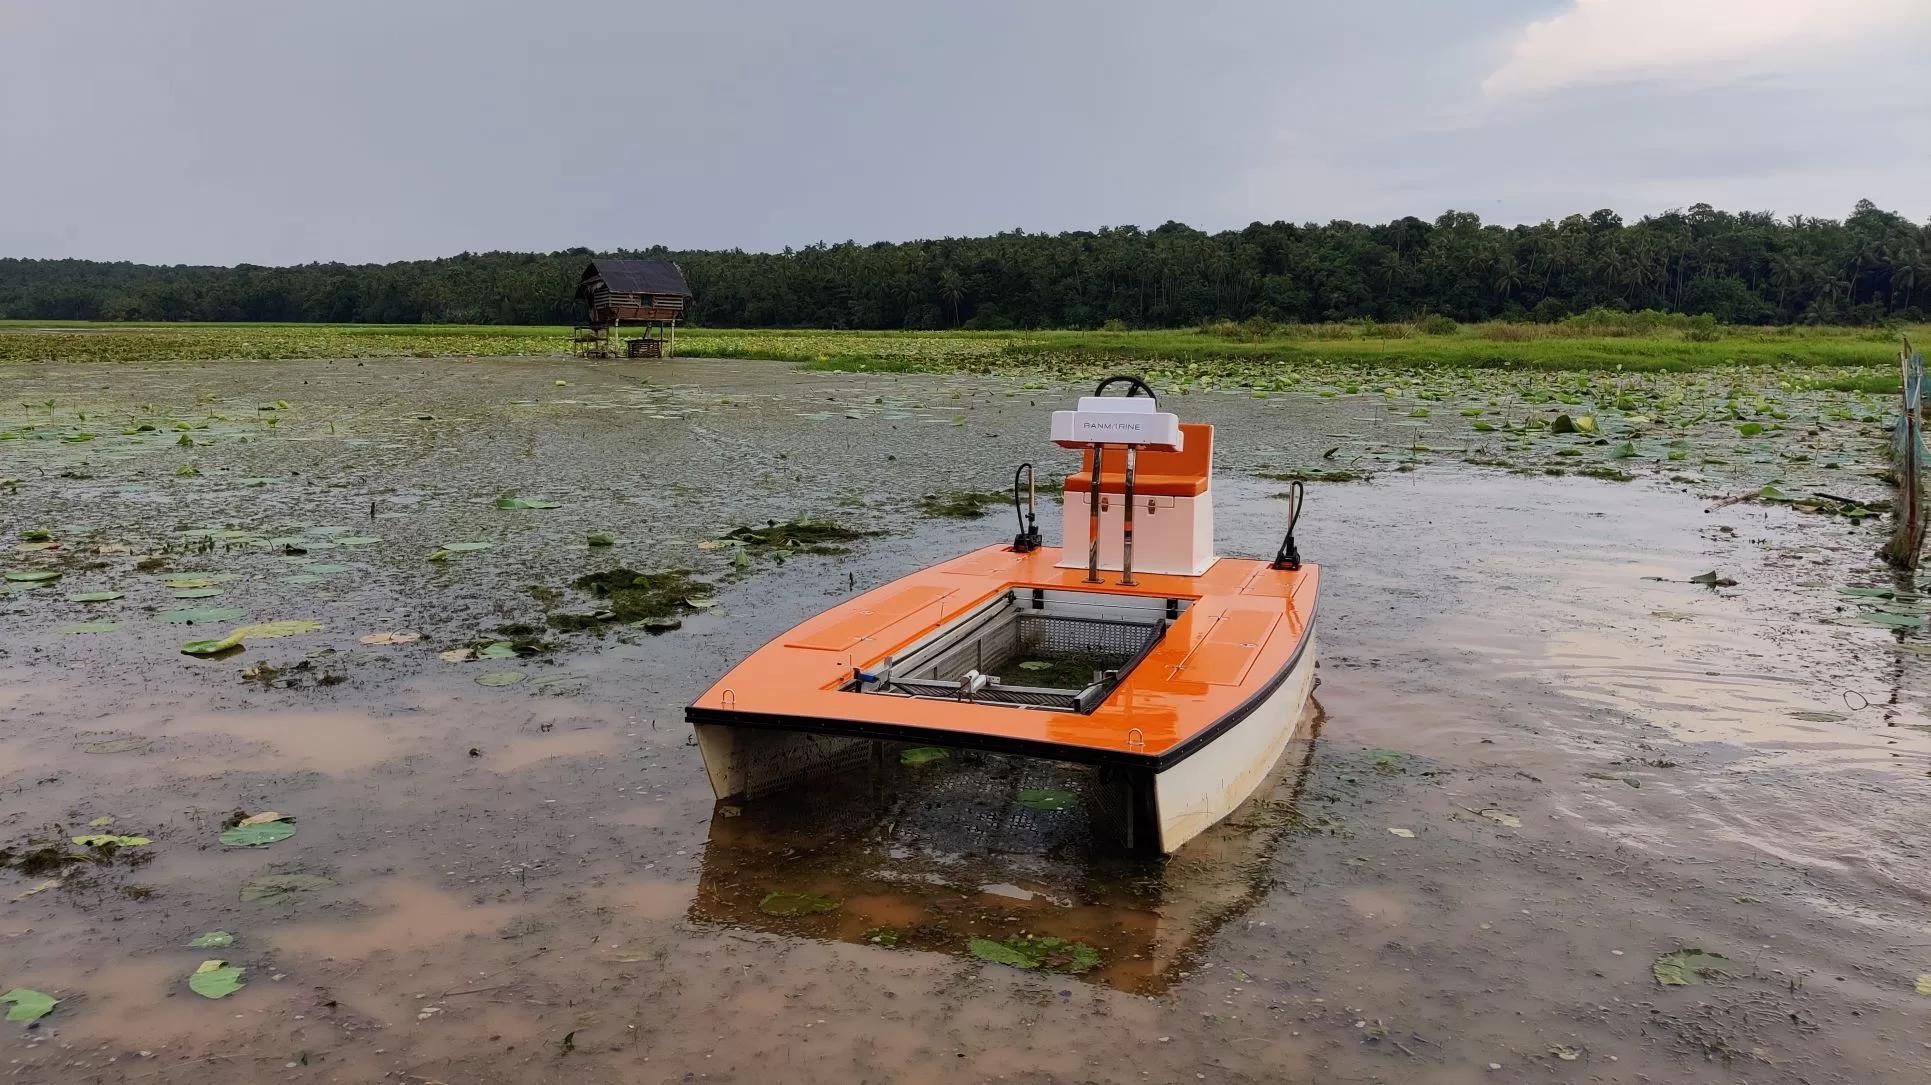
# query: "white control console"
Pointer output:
{"type": "Point", "coordinates": [1117, 420]}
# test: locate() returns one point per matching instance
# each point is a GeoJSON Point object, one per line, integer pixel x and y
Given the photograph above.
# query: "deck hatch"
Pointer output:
{"type": "Point", "coordinates": [872, 620]}
{"type": "Point", "coordinates": [1229, 649]}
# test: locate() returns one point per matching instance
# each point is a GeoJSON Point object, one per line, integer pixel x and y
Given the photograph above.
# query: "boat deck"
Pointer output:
{"type": "Point", "coordinates": [1247, 625]}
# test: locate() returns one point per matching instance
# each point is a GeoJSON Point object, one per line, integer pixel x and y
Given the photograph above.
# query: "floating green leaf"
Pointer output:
{"type": "Point", "coordinates": [212, 940]}
{"type": "Point", "coordinates": [501, 649]}
{"type": "Point", "coordinates": [1686, 966]}
{"type": "Point", "coordinates": [797, 904]}
{"type": "Point", "coordinates": [215, 979]}
{"type": "Point", "coordinates": [28, 1004]}
{"type": "Point", "coordinates": [120, 745]}
{"type": "Point", "coordinates": [525, 503]}
{"type": "Point", "coordinates": [32, 576]}
{"type": "Point", "coordinates": [601, 538]}
{"type": "Point", "coordinates": [1037, 953]}
{"type": "Point", "coordinates": [276, 885]}
{"type": "Point", "coordinates": [110, 840]}
{"type": "Point", "coordinates": [292, 627]}
{"type": "Point", "coordinates": [1896, 621]}
{"type": "Point", "coordinates": [922, 755]}
{"type": "Point", "coordinates": [96, 597]}
{"type": "Point", "coordinates": [1047, 798]}
{"type": "Point", "coordinates": [203, 615]}
{"type": "Point", "coordinates": [258, 835]}
{"type": "Point", "coordinates": [88, 627]}
{"type": "Point", "coordinates": [197, 593]}
{"type": "Point", "coordinates": [500, 678]}
{"type": "Point", "coordinates": [1750, 429]}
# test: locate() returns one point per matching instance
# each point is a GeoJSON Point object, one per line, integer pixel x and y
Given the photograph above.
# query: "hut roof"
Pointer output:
{"type": "Point", "coordinates": [638, 277]}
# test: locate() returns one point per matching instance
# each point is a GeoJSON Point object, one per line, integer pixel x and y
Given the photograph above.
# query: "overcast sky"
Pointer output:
{"type": "Point", "coordinates": [220, 131]}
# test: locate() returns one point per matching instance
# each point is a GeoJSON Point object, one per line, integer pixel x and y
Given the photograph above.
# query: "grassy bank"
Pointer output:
{"type": "Point", "coordinates": [1858, 355]}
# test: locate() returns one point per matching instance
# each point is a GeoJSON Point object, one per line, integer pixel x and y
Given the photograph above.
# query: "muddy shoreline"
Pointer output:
{"type": "Point", "coordinates": [1599, 762]}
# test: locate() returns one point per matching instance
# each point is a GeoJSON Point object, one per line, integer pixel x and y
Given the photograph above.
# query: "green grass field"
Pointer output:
{"type": "Point", "coordinates": [1228, 352]}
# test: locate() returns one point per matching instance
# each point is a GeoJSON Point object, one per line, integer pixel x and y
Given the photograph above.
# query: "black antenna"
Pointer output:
{"type": "Point", "coordinates": [1289, 556]}
{"type": "Point", "coordinates": [1028, 539]}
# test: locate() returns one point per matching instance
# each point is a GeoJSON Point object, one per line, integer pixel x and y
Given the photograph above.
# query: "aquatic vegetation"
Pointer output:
{"type": "Point", "coordinates": [628, 597]}
{"type": "Point", "coordinates": [1046, 954]}
{"type": "Point", "coordinates": [961, 504]}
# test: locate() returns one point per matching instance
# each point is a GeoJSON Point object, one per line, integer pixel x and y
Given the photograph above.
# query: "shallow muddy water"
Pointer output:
{"type": "Point", "coordinates": [1594, 761]}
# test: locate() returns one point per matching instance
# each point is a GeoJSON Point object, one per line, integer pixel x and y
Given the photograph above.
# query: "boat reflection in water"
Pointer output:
{"type": "Point", "coordinates": [928, 855]}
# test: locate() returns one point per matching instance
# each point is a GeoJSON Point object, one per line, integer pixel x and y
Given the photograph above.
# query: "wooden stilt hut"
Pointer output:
{"type": "Point", "coordinates": [646, 298]}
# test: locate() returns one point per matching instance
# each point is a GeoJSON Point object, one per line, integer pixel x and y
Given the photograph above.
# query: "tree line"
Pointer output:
{"type": "Point", "coordinates": [1742, 268]}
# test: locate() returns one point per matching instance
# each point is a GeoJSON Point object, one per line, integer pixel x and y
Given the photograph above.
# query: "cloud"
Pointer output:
{"type": "Point", "coordinates": [1692, 41]}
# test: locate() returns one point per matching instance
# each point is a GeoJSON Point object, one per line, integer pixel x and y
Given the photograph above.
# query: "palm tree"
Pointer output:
{"type": "Point", "coordinates": [1911, 268]}
{"type": "Point", "coordinates": [952, 290]}
{"type": "Point", "coordinates": [1507, 276]}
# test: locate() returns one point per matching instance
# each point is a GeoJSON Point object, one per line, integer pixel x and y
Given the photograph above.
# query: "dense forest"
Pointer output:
{"type": "Point", "coordinates": [1744, 268]}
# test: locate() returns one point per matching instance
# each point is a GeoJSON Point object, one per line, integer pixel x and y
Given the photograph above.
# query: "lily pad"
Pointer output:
{"type": "Point", "coordinates": [1037, 953]}
{"type": "Point", "coordinates": [1896, 621]}
{"type": "Point", "coordinates": [88, 627]}
{"type": "Point", "coordinates": [1687, 966]}
{"type": "Point", "coordinates": [212, 940]}
{"type": "Point", "coordinates": [32, 576]}
{"type": "Point", "coordinates": [291, 627]}
{"type": "Point", "coordinates": [259, 834]}
{"type": "Point", "coordinates": [96, 597]}
{"type": "Point", "coordinates": [500, 678]}
{"type": "Point", "coordinates": [276, 885]}
{"type": "Point", "coordinates": [391, 638]}
{"type": "Point", "coordinates": [923, 755]}
{"type": "Point", "coordinates": [197, 593]}
{"type": "Point", "coordinates": [27, 1004]}
{"type": "Point", "coordinates": [797, 904]}
{"type": "Point", "coordinates": [120, 745]}
{"type": "Point", "coordinates": [1047, 798]}
{"type": "Point", "coordinates": [215, 979]}
{"type": "Point", "coordinates": [111, 840]}
{"type": "Point", "coordinates": [208, 649]}
{"type": "Point", "coordinates": [601, 538]}
{"type": "Point", "coordinates": [501, 649]}
{"type": "Point", "coordinates": [465, 547]}
{"type": "Point", "coordinates": [525, 503]}
{"type": "Point", "coordinates": [203, 615]}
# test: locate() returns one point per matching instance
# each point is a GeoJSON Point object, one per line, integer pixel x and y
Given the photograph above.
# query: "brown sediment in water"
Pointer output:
{"type": "Point", "coordinates": [1495, 676]}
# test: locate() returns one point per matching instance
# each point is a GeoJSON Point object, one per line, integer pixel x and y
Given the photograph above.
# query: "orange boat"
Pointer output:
{"type": "Point", "coordinates": [1180, 677]}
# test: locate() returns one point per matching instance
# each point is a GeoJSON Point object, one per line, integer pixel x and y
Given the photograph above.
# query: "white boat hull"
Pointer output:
{"type": "Point", "coordinates": [1193, 795]}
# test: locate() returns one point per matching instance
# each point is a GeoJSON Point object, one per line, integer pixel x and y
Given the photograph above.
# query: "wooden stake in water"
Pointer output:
{"type": "Point", "coordinates": [1907, 461]}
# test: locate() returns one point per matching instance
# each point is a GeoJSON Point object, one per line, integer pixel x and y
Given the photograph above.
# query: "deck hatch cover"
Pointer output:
{"type": "Point", "coordinates": [873, 619]}
{"type": "Point", "coordinates": [1231, 646]}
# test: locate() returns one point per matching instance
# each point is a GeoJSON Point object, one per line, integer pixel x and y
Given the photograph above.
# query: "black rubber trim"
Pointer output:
{"type": "Point", "coordinates": [1051, 751]}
